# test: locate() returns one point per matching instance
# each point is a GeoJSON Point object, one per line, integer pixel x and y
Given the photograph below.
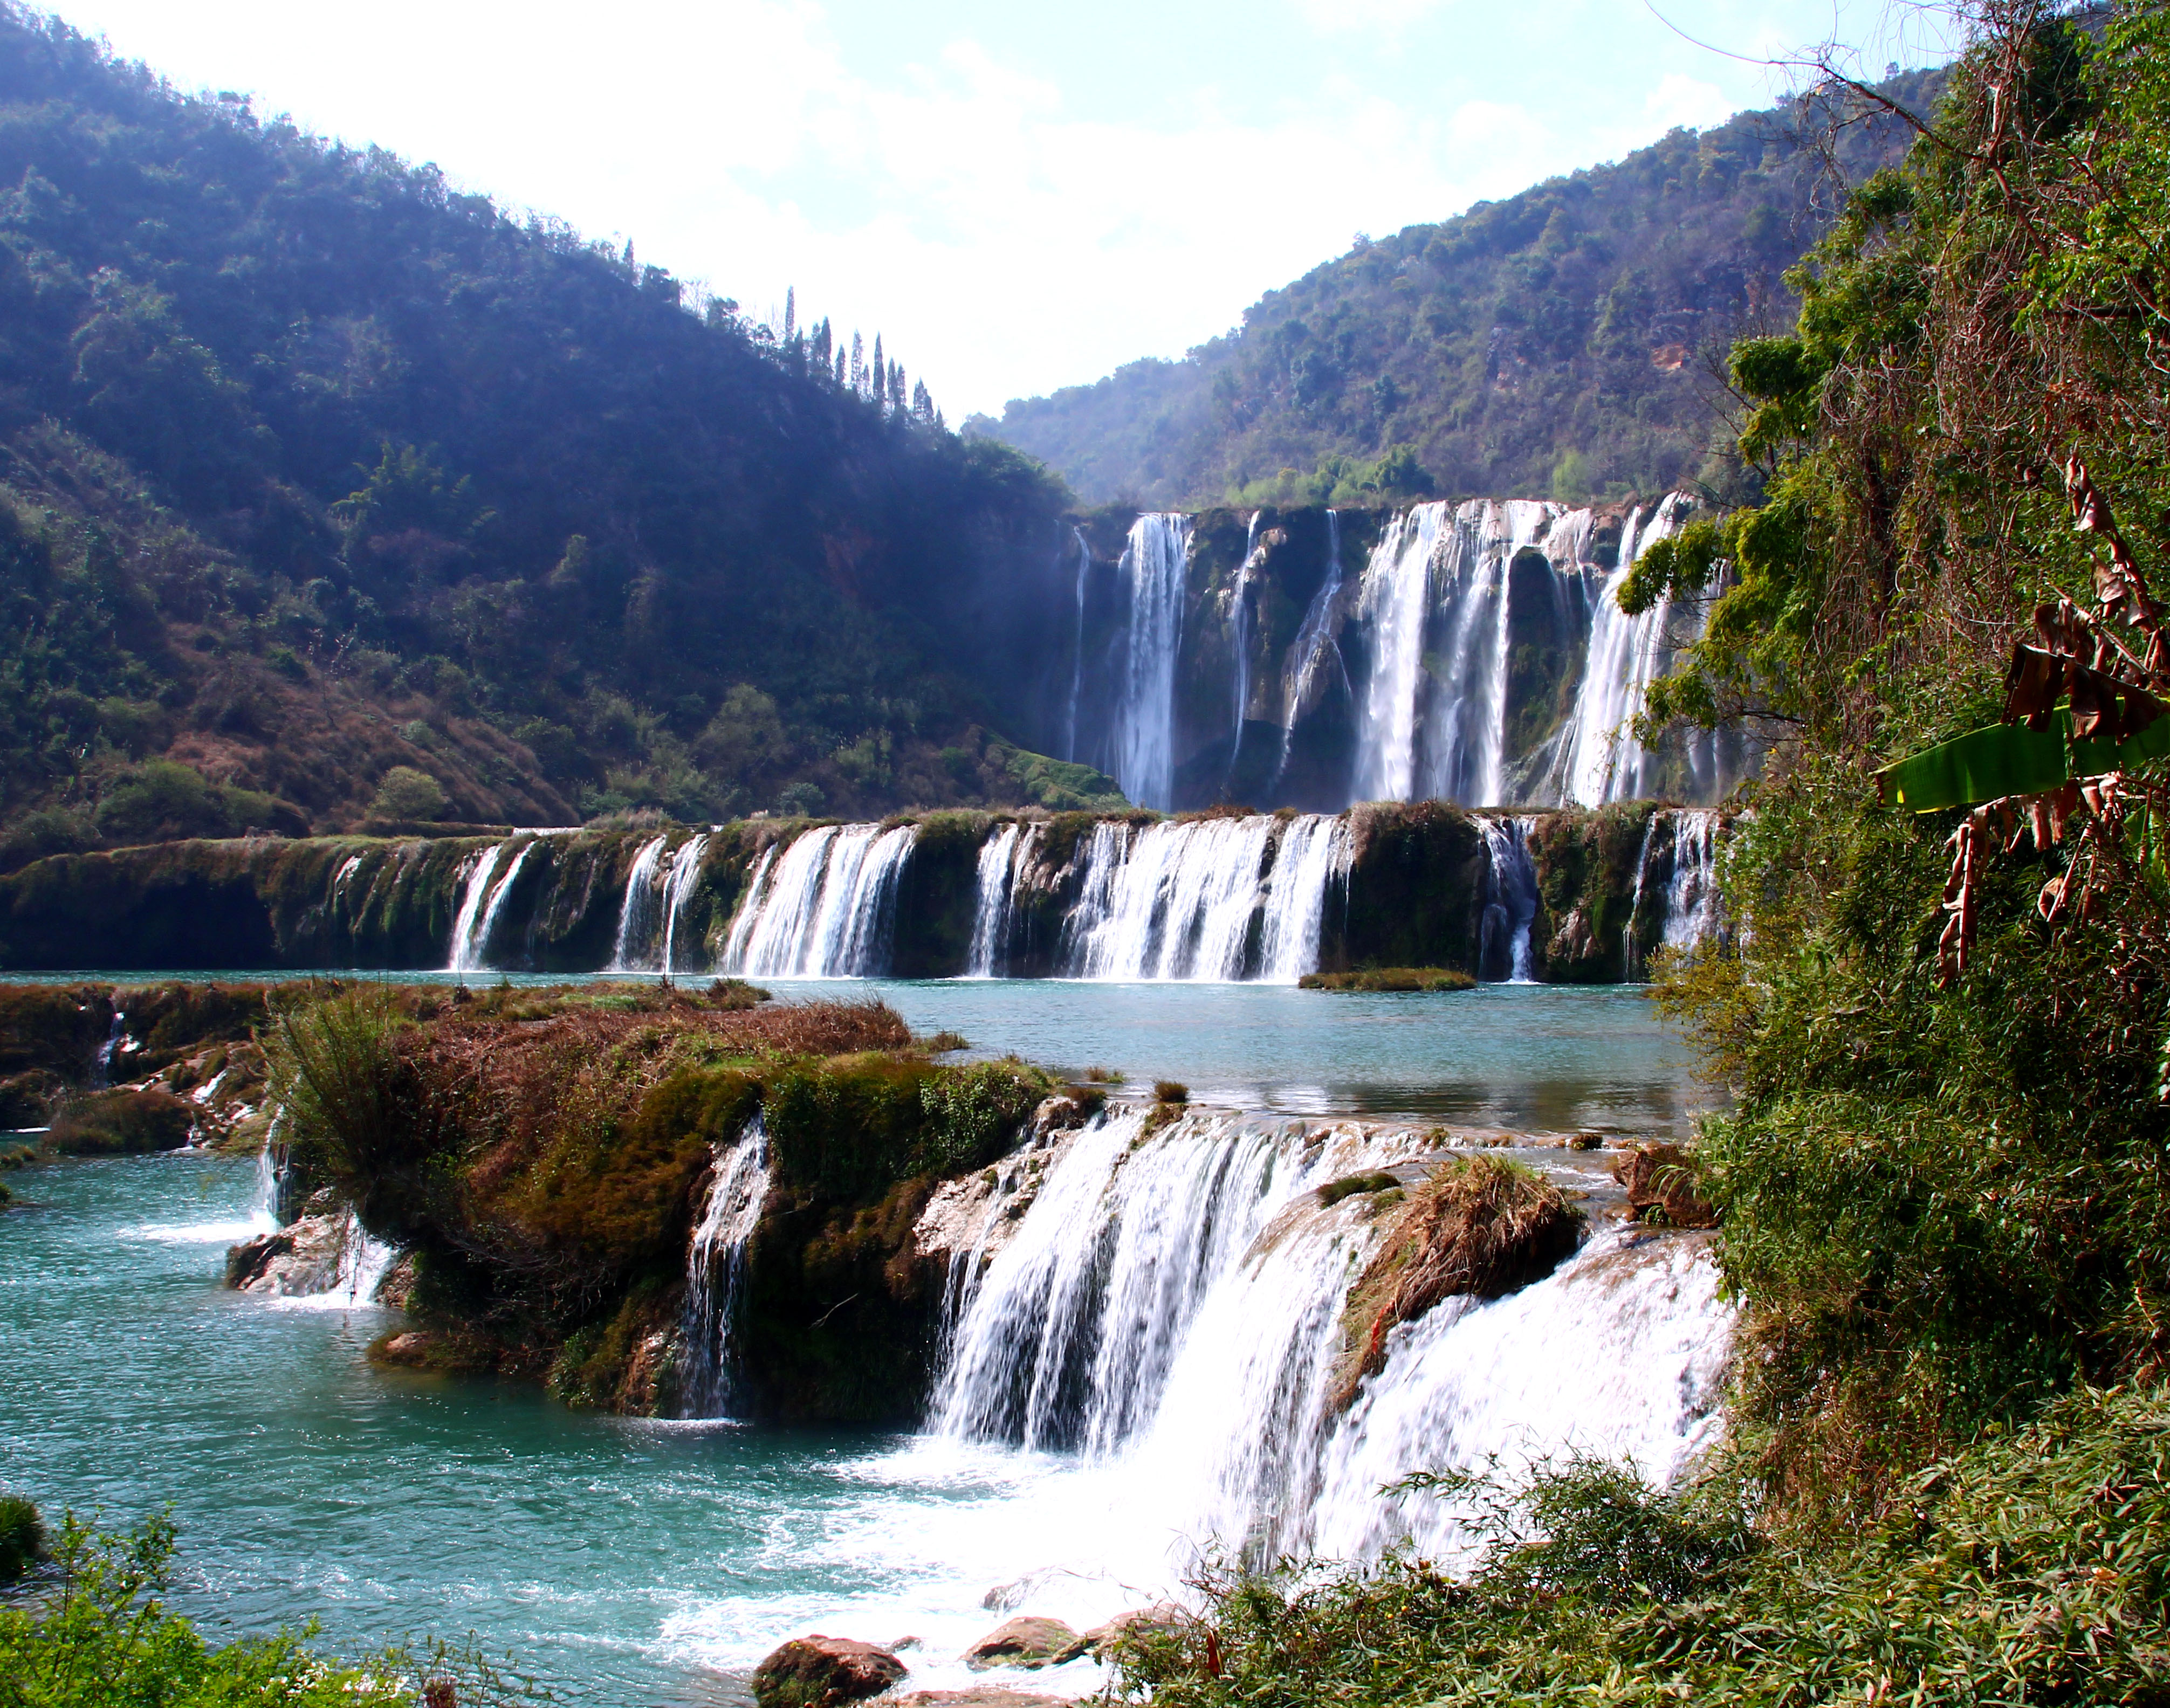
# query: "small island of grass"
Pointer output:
{"type": "Point", "coordinates": [1390, 979]}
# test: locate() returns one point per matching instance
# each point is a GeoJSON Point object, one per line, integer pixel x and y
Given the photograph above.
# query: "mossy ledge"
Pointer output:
{"type": "Point", "coordinates": [542, 1155]}
{"type": "Point", "coordinates": [1414, 895]}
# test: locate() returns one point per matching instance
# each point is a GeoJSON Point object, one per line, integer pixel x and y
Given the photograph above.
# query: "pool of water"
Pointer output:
{"type": "Point", "coordinates": [1549, 1057]}
{"type": "Point", "coordinates": [637, 1562]}
{"type": "Point", "coordinates": [623, 1561]}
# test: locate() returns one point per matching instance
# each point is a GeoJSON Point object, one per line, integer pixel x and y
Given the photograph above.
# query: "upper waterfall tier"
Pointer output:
{"type": "Point", "coordinates": [1475, 652]}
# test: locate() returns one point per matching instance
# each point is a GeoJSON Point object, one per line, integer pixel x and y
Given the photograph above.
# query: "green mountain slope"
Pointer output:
{"type": "Point", "coordinates": [310, 468]}
{"type": "Point", "coordinates": [1556, 341]}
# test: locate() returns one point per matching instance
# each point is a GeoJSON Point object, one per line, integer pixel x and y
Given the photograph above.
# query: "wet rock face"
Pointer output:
{"type": "Point", "coordinates": [1661, 1187]}
{"type": "Point", "coordinates": [1027, 1642]}
{"type": "Point", "coordinates": [297, 1261]}
{"type": "Point", "coordinates": [823, 1672]}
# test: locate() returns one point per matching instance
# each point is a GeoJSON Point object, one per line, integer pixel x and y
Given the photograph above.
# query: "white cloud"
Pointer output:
{"type": "Point", "coordinates": [1008, 219]}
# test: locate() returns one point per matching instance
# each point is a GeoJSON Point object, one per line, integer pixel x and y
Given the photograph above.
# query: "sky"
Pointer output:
{"type": "Point", "coordinates": [1016, 195]}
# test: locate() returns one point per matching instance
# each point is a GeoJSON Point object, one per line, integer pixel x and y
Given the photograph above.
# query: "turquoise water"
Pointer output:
{"type": "Point", "coordinates": [637, 1562]}
{"type": "Point", "coordinates": [1539, 1057]}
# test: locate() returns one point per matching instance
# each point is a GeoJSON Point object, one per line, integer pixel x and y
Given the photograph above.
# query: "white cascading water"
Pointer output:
{"type": "Point", "coordinates": [1631, 951]}
{"type": "Point", "coordinates": [1180, 901]}
{"type": "Point", "coordinates": [1600, 759]}
{"type": "Point", "coordinates": [1153, 569]}
{"type": "Point", "coordinates": [993, 899]}
{"type": "Point", "coordinates": [822, 909]}
{"type": "Point", "coordinates": [482, 894]}
{"type": "Point", "coordinates": [1511, 899]}
{"type": "Point", "coordinates": [1239, 625]}
{"type": "Point", "coordinates": [1465, 729]}
{"type": "Point", "coordinates": [678, 890]}
{"type": "Point", "coordinates": [1394, 599]}
{"type": "Point", "coordinates": [1170, 1306]}
{"type": "Point", "coordinates": [1314, 639]}
{"type": "Point", "coordinates": [638, 913]}
{"type": "Point", "coordinates": [360, 1271]}
{"type": "Point", "coordinates": [1077, 647]}
{"type": "Point", "coordinates": [1691, 896]}
{"type": "Point", "coordinates": [715, 1270]}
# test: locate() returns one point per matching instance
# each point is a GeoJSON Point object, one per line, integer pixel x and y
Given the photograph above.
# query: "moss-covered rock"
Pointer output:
{"type": "Point", "coordinates": [123, 1123]}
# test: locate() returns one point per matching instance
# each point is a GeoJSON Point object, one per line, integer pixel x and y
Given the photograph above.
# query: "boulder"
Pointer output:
{"type": "Point", "coordinates": [1025, 1642]}
{"type": "Point", "coordinates": [246, 1263]}
{"type": "Point", "coordinates": [1661, 1178]}
{"type": "Point", "coordinates": [300, 1259]}
{"type": "Point", "coordinates": [823, 1672]}
{"type": "Point", "coordinates": [1065, 1111]}
{"type": "Point", "coordinates": [1162, 1616]}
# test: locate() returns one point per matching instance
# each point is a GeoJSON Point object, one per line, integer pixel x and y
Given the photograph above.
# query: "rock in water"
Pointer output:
{"type": "Point", "coordinates": [1025, 1642]}
{"type": "Point", "coordinates": [1138, 1621]}
{"type": "Point", "coordinates": [823, 1672]}
{"type": "Point", "coordinates": [1661, 1177]}
{"type": "Point", "coordinates": [245, 1263]}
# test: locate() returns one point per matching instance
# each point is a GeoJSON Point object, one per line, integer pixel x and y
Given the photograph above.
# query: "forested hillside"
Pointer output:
{"type": "Point", "coordinates": [326, 491]}
{"type": "Point", "coordinates": [1559, 341]}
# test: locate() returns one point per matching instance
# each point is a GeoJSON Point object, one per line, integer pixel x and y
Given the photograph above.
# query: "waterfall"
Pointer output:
{"type": "Point", "coordinates": [1510, 900]}
{"type": "Point", "coordinates": [264, 1203]}
{"type": "Point", "coordinates": [993, 901]}
{"type": "Point", "coordinates": [1240, 635]}
{"type": "Point", "coordinates": [1078, 650]}
{"type": "Point", "coordinates": [1153, 566]}
{"type": "Point", "coordinates": [1466, 728]}
{"type": "Point", "coordinates": [1691, 896]}
{"type": "Point", "coordinates": [636, 914]}
{"type": "Point", "coordinates": [678, 895]}
{"type": "Point", "coordinates": [355, 1277]}
{"type": "Point", "coordinates": [483, 895]}
{"type": "Point", "coordinates": [1621, 1354]}
{"type": "Point", "coordinates": [715, 1270]}
{"type": "Point", "coordinates": [1314, 852]}
{"type": "Point", "coordinates": [1215, 898]}
{"type": "Point", "coordinates": [1393, 598]}
{"type": "Point", "coordinates": [824, 909]}
{"type": "Point", "coordinates": [1312, 639]}
{"type": "Point", "coordinates": [1170, 1305]}
{"type": "Point", "coordinates": [1631, 954]}
{"type": "Point", "coordinates": [1600, 759]}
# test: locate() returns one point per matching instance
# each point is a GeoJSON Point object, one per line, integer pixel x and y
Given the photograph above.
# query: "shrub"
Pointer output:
{"type": "Point", "coordinates": [107, 1639]}
{"type": "Point", "coordinates": [108, 1123]}
{"type": "Point", "coordinates": [22, 1537]}
{"type": "Point", "coordinates": [1171, 1091]}
{"type": "Point", "coordinates": [160, 801]}
{"type": "Point", "coordinates": [410, 795]}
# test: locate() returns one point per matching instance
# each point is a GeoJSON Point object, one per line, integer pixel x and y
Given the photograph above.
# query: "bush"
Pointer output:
{"type": "Point", "coordinates": [160, 801]}
{"type": "Point", "coordinates": [1171, 1091]}
{"type": "Point", "coordinates": [2028, 1569]}
{"type": "Point", "coordinates": [129, 1124]}
{"type": "Point", "coordinates": [107, 1640]}
{"type": "Point", "coordinates": [410, 795]}
{"type": "Point", "coordinates": [22, 1537]}
{"type": "Point", "coordinates": [53, 831]}
{"type": "Point", "coordinates": [1390, 979]}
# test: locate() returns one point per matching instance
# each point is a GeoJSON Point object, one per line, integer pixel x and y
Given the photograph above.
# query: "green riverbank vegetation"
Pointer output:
{"type": "Point", "coordinates": [88, 1629]}
{"type": "Point", "coordinates": [1943, 1181]}
{"type": "Point", "coordinates": [542, 1157]}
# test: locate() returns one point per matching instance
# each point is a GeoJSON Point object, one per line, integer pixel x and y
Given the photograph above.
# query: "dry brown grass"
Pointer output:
{"type": "Point", "coordinates": [1479, 1226]}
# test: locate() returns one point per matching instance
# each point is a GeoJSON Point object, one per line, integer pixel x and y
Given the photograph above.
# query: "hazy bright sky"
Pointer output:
{"type": "Point", "coordinates": [1017, 196]}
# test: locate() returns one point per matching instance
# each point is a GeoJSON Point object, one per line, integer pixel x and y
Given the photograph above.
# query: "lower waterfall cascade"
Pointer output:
{"type": "Point", "coordinates": [715, 1268]}
{"type": "Point", "coordinates": [1224, 898]}
{"type": "Point", "coordinates": [1169, 1306]}
{"type": "Point", "coordinates": [821, 909]}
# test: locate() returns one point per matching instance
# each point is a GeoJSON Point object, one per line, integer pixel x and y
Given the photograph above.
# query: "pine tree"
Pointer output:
{"type": "Point", "coordinates": [896, 386]}
{"type": "Point", "coordinates": [790, 311]}
{"type": "Point", "coordinates": [840, 365]}
{"type": "Point", "coordinates": [878, 373]}
{"type": "Point", "coordinates": [859, 363]}
{"type": "Point", "coordinates": [922, 405]}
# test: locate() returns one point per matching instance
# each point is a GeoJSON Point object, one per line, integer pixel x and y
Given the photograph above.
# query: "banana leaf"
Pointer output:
{"type": "Point", "coordinates": [2010, 759]}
